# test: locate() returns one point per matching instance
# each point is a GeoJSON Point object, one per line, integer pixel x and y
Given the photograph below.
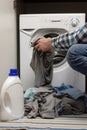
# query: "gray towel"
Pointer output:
{"type": "Point", "coordinates": [42, 65]}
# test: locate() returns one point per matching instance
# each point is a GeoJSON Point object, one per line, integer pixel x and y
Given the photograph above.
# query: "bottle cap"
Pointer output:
{"type": "Point", "coordinates": [13, 72]}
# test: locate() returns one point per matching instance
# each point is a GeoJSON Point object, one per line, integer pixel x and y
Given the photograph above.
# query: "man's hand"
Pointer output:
{"type": "Point", "coordinates": [43, 44]}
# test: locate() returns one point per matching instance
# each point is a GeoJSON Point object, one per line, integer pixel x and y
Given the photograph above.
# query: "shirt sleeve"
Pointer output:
{"type": "Point", "coordinates": [64, 41]}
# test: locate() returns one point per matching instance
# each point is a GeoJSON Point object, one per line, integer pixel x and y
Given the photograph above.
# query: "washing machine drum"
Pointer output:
{"type": "Point", "coordinates": [60, 56]}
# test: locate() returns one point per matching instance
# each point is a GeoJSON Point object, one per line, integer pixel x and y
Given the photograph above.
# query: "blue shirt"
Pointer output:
{"type": "Point", "coordinates": [64, 41]}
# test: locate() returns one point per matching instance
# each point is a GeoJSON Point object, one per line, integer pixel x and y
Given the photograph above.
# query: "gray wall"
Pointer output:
{"type": "Point", "coordinates": [8, 53]}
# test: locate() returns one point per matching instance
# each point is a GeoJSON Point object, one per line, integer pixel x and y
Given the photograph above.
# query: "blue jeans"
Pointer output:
{"type": "Point", "coordinates": [77, 57]}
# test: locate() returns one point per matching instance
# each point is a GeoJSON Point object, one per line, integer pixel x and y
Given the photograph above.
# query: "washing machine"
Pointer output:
{"type": "Point", "coordinates": [33, 26]}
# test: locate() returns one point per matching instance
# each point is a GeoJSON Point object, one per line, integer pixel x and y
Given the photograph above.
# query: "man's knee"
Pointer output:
{"type": "Point", "coordinates": [72, 54]}
{"type": "Point", "coordinates": [77, 58]}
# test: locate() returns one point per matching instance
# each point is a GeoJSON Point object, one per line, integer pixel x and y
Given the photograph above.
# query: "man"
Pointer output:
{"type": "Point", "coordinates": [76, 55]}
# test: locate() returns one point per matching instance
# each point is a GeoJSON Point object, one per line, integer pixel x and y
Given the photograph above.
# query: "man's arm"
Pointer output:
{"type": "Point", "coordinates": [63, 41]}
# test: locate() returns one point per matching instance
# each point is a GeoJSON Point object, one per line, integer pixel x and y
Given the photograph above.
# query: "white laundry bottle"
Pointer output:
{"type": "Point", "coordinates": [12, 99]}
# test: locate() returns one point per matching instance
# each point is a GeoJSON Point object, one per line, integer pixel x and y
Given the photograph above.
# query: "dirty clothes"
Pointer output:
{"type": "Point", "coordinates": [48, 104]}
{"type": "Point", "coordinates": [42, 65]}
{"type": "Point", "coordinates": [75, 93]}
{"type": "Point", "coordinates": [29, 93]}
{"type": "Point", "coordinates": [43, 105]}
{"type": "Point", "coordinates": [70, 106]}
{"type": "Point", "coordinates": [75, 103]}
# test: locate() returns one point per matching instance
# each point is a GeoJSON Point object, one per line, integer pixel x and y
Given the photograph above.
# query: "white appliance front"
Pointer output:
{"type": "Point", "coordinates": [33, 26]}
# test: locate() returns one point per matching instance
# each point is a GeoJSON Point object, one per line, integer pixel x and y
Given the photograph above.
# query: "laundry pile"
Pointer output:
{"type": "Point", "coordinates": [47, 101]}
{"type": "Point", "coordinates": [53, 102]}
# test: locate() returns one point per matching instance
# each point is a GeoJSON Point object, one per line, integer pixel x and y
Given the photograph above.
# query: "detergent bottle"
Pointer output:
{"type": "Point", "coordinates": [12, 100]}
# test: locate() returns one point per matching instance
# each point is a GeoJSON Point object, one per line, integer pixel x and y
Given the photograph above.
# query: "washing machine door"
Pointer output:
{"type": "Point", "coordinates": [59, 55]}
